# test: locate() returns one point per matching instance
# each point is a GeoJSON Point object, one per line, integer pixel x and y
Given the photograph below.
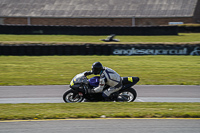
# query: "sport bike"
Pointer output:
{"type": "Point", "coordinates": [80, 84]}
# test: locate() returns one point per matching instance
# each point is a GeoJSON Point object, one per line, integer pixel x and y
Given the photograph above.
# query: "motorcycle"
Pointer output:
{"type": "Point", "coordinates": [80, 84]}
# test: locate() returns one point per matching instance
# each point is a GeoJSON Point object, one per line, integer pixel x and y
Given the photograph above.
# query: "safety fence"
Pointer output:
{"type": "Point", "coordinates": [99, 49]}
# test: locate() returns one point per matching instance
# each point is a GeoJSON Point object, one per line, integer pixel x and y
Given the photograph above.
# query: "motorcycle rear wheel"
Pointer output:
{"type": "Point", "coordinates": [127, 95]}
{"type": "Point", "coordinates": [68, 97]}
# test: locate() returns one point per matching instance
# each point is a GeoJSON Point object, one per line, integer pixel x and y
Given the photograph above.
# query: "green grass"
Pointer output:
{"type": "Point", "coordinates": [57, 70]}
{"type": "Point", "coordinates": [96, 110]}
{"type": "Point", "coordinates": [182, 37]}
{"type": "Point", "coordinates": [189, 25]}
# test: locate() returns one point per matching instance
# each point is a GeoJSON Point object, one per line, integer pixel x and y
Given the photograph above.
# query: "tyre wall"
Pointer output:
{"type": "Point", "coordinates": [97, 30]}
{"type": "Point", "coordinates": [189, 29]}
{"type": "Point", "coordinates": [99, 49]}
{"type": "Point", "coordinates": [88, 30]}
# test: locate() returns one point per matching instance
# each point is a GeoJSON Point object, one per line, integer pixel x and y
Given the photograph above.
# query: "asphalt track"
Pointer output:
{"type": "Point", "coordinates": [146, 93]}
{"type": "Point", "coordinates": [53, 93]}
{"type": "Point", "coordinates": [103, 126]}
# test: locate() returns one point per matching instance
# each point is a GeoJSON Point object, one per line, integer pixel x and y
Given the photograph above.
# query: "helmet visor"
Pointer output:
{"type": "Point", "coordinates": [96, 70]}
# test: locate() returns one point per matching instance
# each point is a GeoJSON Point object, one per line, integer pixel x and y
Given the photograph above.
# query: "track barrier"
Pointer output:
{"type": "Point", "coordinates": [88, 30]}
{"type": "Point", "coordinates": [99, 49]}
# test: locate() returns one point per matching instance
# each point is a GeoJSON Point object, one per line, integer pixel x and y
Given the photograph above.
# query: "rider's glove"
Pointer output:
{"type": "Point", "coordinates": [87, 73]}
{"type": "Point", "coordinates": [89, 91]}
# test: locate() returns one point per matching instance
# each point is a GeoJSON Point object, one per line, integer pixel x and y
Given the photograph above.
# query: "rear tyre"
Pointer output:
{"type": "Point", "coordinates": [68, 97]}
{"type": "Point", "coordinates": [127, 95]}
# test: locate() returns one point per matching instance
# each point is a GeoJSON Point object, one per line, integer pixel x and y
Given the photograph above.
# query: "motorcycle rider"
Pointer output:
{"type": "Point", "coordinates": [107, 77]}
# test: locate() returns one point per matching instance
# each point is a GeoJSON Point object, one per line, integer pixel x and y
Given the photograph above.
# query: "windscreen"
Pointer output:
{"type": "Point", "coordinates": [79, 78]}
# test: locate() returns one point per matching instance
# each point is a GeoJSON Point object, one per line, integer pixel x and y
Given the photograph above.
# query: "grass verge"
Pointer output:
{"type": "Point", "coordinates": [181, 38]}
{"type": "Point", "coordinates": [96, 110]}
{"type": "Point", "coordinates": [57, 70]}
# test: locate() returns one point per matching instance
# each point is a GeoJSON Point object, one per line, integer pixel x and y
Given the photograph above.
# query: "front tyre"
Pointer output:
{"type": "Point", "coordinates": [69, 97]}
{"type": "Point", "coordinates": [127, 95]}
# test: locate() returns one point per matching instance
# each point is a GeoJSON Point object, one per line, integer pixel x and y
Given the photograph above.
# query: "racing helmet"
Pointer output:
{"type": "Point", "coordinates": [97, 67]}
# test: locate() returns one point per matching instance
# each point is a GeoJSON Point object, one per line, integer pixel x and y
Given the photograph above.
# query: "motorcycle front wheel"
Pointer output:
{"type": "Point", "coordinates": [69, 97]}
{"type": "Point", "coordinates": [127, 95]}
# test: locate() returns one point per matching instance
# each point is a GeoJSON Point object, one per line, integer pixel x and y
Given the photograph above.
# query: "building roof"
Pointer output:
{"type": "Point", "coordinates": [97, 8]}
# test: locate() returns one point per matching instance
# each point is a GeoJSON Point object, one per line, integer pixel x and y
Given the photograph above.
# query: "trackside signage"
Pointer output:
{"type": "Point", "coordinates": [157, 51]}
{"type": "Point", "coordinates": [100, 49]}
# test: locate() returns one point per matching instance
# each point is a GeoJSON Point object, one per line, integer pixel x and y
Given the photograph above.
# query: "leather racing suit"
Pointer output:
{"type": "Point", "coordinates": [111, 78]}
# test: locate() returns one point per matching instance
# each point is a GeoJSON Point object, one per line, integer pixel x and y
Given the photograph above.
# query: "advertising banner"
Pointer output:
{"type": "Point", "coordinates": [157, 50]}
{"type": "Point", "coordinates": [100, 49]}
